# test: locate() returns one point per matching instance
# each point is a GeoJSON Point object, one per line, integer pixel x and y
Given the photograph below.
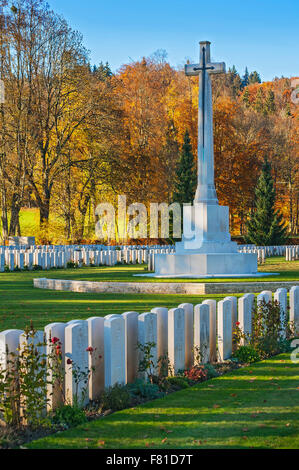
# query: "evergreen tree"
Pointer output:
{"type": "Point", "coordinates": [245, 98]}
{"type": "Point", "coordinates": [269, 107]}
{"type": "Point", "coordinates": [254, 77]}
{"type": "Point", "coordinates": [186, 175]}
{"type": "Point", "coordinates": [245, 79]}
{"type": "Point", "coordinates": [265, 226]}
{"type": "Point", "coordinates": [103, 71]}
{"type": "Point", "coordinates": [170, 155]}
{"type": "Point", "coordinates": [259, 101]}
{"type": "Point", "coordinates": [235, 80]}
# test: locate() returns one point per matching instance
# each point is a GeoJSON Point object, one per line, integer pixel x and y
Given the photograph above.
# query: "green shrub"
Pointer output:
{"type": "Point", "coordinates": [246, 354]}
{"type": "Point", "coordinates": [266, 329]}
{"type": "Point", "coordinates": [211, 371]}
{"type": "Point", "coordinates": [116, 398]}
{"type": "Point", "coordinates": [23, 383]}
{"type": "Point", "coordinates": [36, 267]}
{"type": "Point", "coordinates": [68, 416]}
{"type": "Point", "coordinates": [71, 265]}
{"type": "Point", "coordinates": [285, 345]}
{"type": "Point", "coordinates": [179, 382]}
{"type": "Point", "coordinates": [144, 390]}
{"type": "Point", "coordinates": [266, 335]}
{"type": "Point", "coordinates": [147, 364]}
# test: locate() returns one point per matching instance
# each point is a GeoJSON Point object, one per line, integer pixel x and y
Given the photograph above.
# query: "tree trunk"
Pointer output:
{"type": "Point", "coordinates": [14, 216]}
{"type": "Point", "coordinates": [4, 217]}
{"type": "Point", "coordinates": [44, 212]}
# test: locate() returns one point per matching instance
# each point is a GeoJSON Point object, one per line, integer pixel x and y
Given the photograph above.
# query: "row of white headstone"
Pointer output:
{"type": "Point", "coordinates": [177, 333]}
{"type": "Point", "coordinates": [264, 252]}
{"type": "Point", "coordinates": [48, 259]}
{"type": "Point", "coordinates": [292, 253]}
{"type": "Point", "coordinates": [59, 256]}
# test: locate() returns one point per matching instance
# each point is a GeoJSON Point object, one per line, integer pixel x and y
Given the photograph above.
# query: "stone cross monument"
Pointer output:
{"type": "Point", "coordinates": [206, 188]}
{"type": "Point", "coordinates": [206, 249]}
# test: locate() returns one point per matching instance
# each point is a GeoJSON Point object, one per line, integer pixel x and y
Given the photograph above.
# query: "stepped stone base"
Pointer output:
{"type": "Point", "coordinates": [205, 265]}
{"type": "Point", "coordinates": [185, 288]}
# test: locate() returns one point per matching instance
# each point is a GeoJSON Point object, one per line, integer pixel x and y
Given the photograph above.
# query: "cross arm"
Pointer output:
{"type": "Point", "coordinates": [195, 69]}
{"type": "Point", "coordinates": [192, 70]}
{"type": "Point", "coordinates": [218, 67]}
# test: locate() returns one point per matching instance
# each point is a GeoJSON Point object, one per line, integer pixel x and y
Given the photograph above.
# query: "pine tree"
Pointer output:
{"type": "Point", "coordinates": [235, 80]}
{"type": "Point", "coordinates": [186, 175]}
{"type": "Point", "coordinates": [265, 226]}
{"type": "Point", "coordinates": [103, 71]}
{"type": "Point", "coordinates": [245, 98]}
{"type": "Point", "coordinates": [269, 107]}
{"type": "Point", "coordinates": [254, 77]}
{"type": "Point", "coordinates": [170, 155]}
{"type": "Point", "coordinates": [259, 101]}
{"type": "Point", "coordinates": [245, 79]}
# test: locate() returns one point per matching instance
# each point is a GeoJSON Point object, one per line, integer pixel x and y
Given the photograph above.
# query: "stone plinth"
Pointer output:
{"type": "Point", "coordinates": [206, 249]}
{"type": "Point", "coordinates": [205, 265]}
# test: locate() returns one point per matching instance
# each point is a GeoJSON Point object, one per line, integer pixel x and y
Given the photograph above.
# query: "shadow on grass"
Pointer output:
{"type": "Point", "coordinates": [227, 412]}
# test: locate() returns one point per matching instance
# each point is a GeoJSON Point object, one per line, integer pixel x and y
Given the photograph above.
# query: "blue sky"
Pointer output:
{"type": "Point", "coordinates": [262, 34]}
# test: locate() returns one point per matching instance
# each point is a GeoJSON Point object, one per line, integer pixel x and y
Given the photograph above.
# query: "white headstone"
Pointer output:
{"type": "Point", "coordinates": [245, 307]}
{"type": "Point", "coordinates": [115, 350]}
{"type": "Point", "coordinates": [265, 295]}
{"type": "Point", "coordinates": [213, 331]}
{"type": "Point", "coordinates": [96, 357]}
{"type": "Point", "coordinates": [147, 333]}
{"type": "Point", "coordinates": [9, 342]}
{"type": "Point", "coordinates": [131, 340]}
{"type": "Point", "coordinates": [234, 308]}
{"type": "Point", "coordinates": [176, 339]}
{"type": "Point", "coordinates": [281, 296]}
{"type": "Point", "coordinates": [294, 307]}
{"type": "Point", "coordinates": [162, 330]}
{"type": "Point", "coordinates": [224, 330]}
{"type": "Point", "coordinates": [189, 334]}
{"type": "Point", "coordinates": [11, 261]}
{"type": "Point", "coordinates": [55, 391]}
{"type": "Point", "coordinates": [76, 360]}
{"type": "Point", "coordinates": [202, 332]}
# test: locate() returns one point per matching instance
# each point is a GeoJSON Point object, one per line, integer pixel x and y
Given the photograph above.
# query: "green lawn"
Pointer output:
{"type": "Point", "coordinates": [126, 273]}
{"type": "Point", "coordinates": [254, 407]}
{"type": "Point", "coordinates": [20, 302]}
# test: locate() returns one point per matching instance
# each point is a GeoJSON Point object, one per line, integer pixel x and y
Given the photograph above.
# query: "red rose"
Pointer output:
{"type": "Point", "coordinates": [237, 323]}
{"type": "Point", "coordinates": [89, 349]}
{"type": "Point", "coordinates": [55, 340]}
{"type": "Point", "coordinates": [69, 361]}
